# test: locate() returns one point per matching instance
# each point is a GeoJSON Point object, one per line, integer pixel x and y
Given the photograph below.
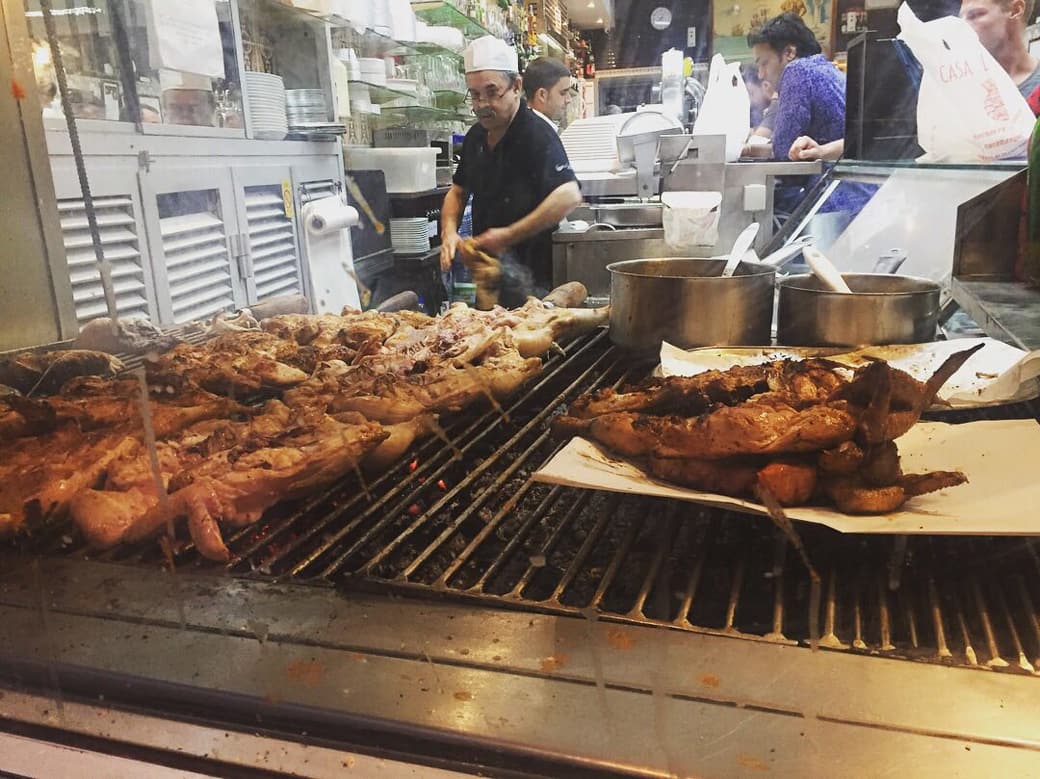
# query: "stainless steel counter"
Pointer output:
{"type": "Point", "coordinates": [584, 256]}
{"type": "Point", "coordinates": [1006, 310]}
{"type": "Point", "coordinates": [483, 689]}
{"type": "Point", "coordinates": [732, 180]}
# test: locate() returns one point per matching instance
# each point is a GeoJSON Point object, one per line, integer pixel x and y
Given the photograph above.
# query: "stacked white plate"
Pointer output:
{"type": "Point", "coordinates": [446, 37]}
{"type": "Point", "coordinates": [410, 236]}
{"type": "Point", "coordinates": [306, 107]}
{"type": "Point", "coordinates": [373, 71]}
{"type": "Point", "coordinates": [267, 115]}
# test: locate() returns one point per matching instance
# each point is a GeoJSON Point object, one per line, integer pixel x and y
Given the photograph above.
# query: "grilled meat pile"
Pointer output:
{"type": "Point", "coordinates": [251, 418]}
{"type": "Point", "coordinates": [794, 431]}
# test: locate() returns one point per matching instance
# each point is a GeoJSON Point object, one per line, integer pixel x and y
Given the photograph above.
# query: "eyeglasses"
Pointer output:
{"type": "Point", "coordinates": [488, 96]}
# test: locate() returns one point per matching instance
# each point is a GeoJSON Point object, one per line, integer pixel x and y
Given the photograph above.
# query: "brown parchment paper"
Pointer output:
{"type": "Point", "coordinates": [1000, 458]}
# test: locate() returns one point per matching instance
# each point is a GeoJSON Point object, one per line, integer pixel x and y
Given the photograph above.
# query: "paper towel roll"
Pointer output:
{"type": "Point", "coordinates": [329, 215]}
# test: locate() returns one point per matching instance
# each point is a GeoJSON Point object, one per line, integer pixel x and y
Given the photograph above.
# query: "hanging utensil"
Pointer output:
{"type": "Point", "coordinates": [740, 248]}
{"type": "Point", "coordinates": [359, 197]}
{"type": "Point", "coordinates": [785, 254]}
{"type": "Point", "coordinates": [825, 270]}
{"type": "Point", "coordinates": [890, 261]}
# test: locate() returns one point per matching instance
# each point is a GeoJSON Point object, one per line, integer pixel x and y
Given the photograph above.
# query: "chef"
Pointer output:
{"type": "Point", "coordinates": [547, 86]}
{"type": "Point", "coordinates": [514, 166]}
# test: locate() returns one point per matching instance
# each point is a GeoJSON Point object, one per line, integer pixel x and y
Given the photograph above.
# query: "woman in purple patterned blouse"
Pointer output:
{"type": "Point", "coordinates": [810, 89]}
{"type": "Point", "coordinates": [810, 99]}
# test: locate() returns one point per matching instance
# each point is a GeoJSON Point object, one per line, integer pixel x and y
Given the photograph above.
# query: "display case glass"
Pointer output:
{"type": "Point", "coordinates": [87, 36]}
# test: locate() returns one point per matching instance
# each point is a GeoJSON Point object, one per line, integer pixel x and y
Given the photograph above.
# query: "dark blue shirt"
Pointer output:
{"type": "Point", "coordinates": [511, 180]}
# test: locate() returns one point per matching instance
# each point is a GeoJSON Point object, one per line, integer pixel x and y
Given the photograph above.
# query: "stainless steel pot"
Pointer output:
{"type": "Point", "coordinates": [684, 301]}
{"type": "Point", "coordinates": [884, 309]}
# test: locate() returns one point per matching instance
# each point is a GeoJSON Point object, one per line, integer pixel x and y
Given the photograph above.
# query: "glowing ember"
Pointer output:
{"type": "Point", "coordinates": [442, 485]}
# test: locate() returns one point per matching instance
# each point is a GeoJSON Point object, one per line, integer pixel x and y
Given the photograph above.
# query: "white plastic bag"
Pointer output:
{"type": "Point", "coordinates": [691, 219]}
{"type": "Point", "coordinates": [726, 108]}
{"type": "Point", "coordinates": [968, 109]}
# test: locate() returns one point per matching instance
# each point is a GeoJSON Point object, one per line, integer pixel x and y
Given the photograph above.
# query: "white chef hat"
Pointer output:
{"type": "Point", "coordinates": [490, 53]}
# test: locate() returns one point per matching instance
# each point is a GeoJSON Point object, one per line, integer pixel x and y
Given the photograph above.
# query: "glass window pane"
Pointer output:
{"type": "Point", "coordinates": [177, 97]}
{"type": "Point", "coordinates": [85, 33]}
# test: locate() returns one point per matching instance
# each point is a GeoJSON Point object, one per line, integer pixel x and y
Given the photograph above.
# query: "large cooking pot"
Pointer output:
{"type": "Point", "coordinates": [884, 309]}
{"type": "Point", "coordinates": [686, 302]}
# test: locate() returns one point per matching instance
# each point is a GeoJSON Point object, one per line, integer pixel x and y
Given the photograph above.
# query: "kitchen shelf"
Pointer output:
{"type": "Point", "coordinates": [379, 94]}
{"type": "Point", "coordinates": [443, 13]}
{"type": "Point", "coordinates": [448, 98]}
{"type": "Point", "coordinates": [427, 49]}
{"type": "Point", "coordinates": [418, 114]}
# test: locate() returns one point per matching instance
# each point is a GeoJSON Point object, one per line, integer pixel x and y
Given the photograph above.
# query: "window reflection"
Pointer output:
{"type": "Point", "coordinates": [89, 54]}
{"type": "Point", "coordinates": [88, 34]}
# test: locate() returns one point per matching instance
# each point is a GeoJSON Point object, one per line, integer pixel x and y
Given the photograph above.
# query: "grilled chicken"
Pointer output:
{"type": "Point", "coordinates": [787, 432]}
{"type": "Point", "coordinates": [92, 403]}
{"type": "Point", "coordinates": [752, 428]}
{"type": "Point", "coordinates": [246, 364]}
{"type": "Point", "coordinates": [796, 381]}
{"type": "Point", "coordinates": [42, 373]}
{"type": "Point", "coordinates": [233, 486]}
{"type": "Point", "coordinates": [222, 463]}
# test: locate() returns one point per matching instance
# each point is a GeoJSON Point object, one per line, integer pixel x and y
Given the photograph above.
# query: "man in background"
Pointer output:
{"type": "Point", "coordinates": [547, 86]}
{"type": "Point", "coordinates": [1001, 27]}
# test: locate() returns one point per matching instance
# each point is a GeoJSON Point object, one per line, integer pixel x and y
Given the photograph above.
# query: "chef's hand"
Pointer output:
{"type": "Point", "coordinates": [449, 244]}
{"type": "Point", "coordinates": [494, 241]}
{"type": "Point", "coordinates": [805, 148]}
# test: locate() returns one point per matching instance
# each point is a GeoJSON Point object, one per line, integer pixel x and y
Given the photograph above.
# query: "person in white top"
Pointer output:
{"type": "Point", "coordinates": [547, 86]}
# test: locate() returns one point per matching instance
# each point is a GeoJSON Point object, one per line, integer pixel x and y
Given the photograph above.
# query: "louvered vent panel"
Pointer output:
{"type": "Point", "coordinates": [276, 267]}
{"type": "Point", "coordinates": [197, 265]}
{"type": "Point", "coordinates": [316, 190]}
{"type": "Point", "coordinates": [119, 244]}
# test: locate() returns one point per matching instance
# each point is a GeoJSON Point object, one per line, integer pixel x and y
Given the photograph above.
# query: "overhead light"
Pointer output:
{"type": "Point", "coordinates": [600, 20]}
{"type": "Point", "coordinates": [79, 11]}
{"type": "Point", "coordinates": [592, 4]}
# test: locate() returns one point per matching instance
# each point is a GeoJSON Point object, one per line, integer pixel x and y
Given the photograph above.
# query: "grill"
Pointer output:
{"type": "Point", "coordinates": [462, 520]}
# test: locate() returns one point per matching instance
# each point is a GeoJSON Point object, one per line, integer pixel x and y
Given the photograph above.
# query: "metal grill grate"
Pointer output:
{"type": "Point", "coordinates": [464, 521]}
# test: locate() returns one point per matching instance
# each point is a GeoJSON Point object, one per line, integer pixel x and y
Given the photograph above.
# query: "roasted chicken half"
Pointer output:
{"type": "Point", "coordinates": [800, 431]}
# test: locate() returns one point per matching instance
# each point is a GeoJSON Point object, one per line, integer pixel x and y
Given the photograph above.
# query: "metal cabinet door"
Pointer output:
{"type": "Point", "coordinates": [267, 217]}
{"type": "Point", "coordinates": [117, 202]}
{"type": "Point", "coordinates": [194, 241]}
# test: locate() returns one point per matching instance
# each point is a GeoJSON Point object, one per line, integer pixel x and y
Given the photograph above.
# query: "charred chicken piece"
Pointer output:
{"type": "Point", "coordinates": [907, 398]}
{"type": "Point", "coordinates": [796, 381]}
{"type": "Point", "coordinates": [752, 428]}
{"type": "Point", "coordinates": [246, 364]}
{"type": "Point", "coordinates": [44, 373]}
{"type": "Point", "coordinates": [232, 485]}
